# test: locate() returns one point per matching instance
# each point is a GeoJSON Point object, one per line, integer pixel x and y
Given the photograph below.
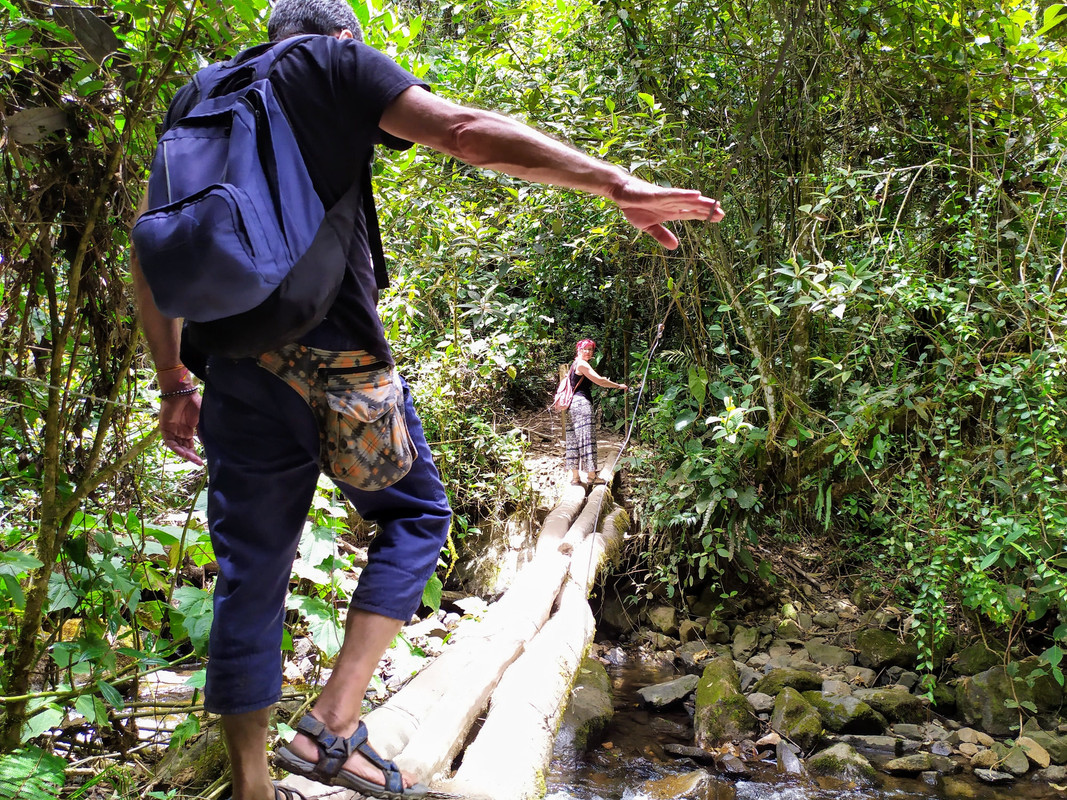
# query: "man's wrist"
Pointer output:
{"type": "Point", "coordinates": [174, 379]}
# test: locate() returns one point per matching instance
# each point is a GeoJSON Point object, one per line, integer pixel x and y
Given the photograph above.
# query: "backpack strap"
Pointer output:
{"type": "Point", "coordinates": [374, 233]}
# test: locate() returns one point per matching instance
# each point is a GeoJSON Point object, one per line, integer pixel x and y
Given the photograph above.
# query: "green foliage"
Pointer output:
{"type": "Point", "coordinates": [31, 774]}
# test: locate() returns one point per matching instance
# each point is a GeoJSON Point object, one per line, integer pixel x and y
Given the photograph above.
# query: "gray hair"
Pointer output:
{"type": "Point", "coordinates": [328, 17]}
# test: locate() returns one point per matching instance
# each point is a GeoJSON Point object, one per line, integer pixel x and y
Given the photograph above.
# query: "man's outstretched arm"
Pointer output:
{"type": "Point", "coordinates": [485, 139]}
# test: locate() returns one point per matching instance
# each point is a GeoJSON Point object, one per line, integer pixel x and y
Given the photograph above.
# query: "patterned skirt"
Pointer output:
{"type": "Point", "coordinates": [581, 443]}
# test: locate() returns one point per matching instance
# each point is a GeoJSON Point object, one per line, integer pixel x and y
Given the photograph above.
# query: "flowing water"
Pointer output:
{"type": "Point", "coordinates": [631, 753]}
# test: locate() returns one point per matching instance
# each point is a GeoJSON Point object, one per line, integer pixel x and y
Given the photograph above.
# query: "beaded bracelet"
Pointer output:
{"type": "Point", "coordinates": [177, 392]}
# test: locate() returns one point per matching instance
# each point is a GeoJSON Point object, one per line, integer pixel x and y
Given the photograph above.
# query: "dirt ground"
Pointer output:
{"type": "Point", "coordinates": [546, 452]}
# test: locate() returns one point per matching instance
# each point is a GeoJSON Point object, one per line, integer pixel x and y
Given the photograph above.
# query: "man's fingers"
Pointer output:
{"type": "Point", "coordinates": [663, 236]}
{"type": "Point", "coordinates": [185, 450]}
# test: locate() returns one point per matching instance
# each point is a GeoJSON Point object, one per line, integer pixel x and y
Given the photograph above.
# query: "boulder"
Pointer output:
{"type": "Point", "coordinates": [690, 786]}
{"type": "Point", "coordinates": [663, 619]}
{"type": "Point", "coordinates": [879, 649]}
{"type": "Point", "coordinates": [788, 760]}
{"type": "Point", "coordinates": [689, 631]}
{"type": "Point", "coordinates": [921, 762]}
{"type": "Point", "coordinates": [722, 712]}
{"type": "Point", "coordinates": [1037, 754]}
{"type": "Point", "coordinates": [842, 762]}
{"type": "Point", "coordinates": [830, 655]}
{"type": "Point", "coordinates": [1054, 745]}
{"type": "Point", "coordinates": [717, 631]}
{"type": "Point", "coordinates": [777, 679]}
{"type": "Point", "coordinates": [846, 714]}
{"type": "Point", "coordinates": [1011, 759]}
{"type": "Point", "coordinates": [827, 620]}
{"type": "Point", "coordinates": [670, 693]}
{"type": "Point", "coordinates": [789, 629]}
{"type": "Point", "coordinates": [796, 719]}
{"type": "Point", "coordinates": [590, 708]}
{"type": "Point", "coordinates": [977, 658]}
{"type": "Point", "coordinates": [992, 776]}
{"type": "Point", "coordinates": [981, 699]}
{"type": "Point", "coordinates": [745, 642]}
{"type": "Point", "coordinates": [896, 705]}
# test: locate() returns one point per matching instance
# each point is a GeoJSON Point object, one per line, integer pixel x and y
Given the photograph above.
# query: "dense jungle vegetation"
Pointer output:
{"type": "Point", "coordinates": [866, 357]}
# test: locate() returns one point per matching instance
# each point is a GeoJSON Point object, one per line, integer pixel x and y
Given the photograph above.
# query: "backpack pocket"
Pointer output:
{"type": "Point", "coordinates": [366, 442]}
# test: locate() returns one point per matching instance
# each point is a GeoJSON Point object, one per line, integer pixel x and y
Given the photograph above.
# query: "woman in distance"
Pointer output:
{"type": "Point", "coordinates": [581, 441]}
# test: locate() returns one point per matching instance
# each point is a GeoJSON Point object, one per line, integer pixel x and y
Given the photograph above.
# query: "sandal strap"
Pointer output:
{"type": "Point", "coordinates": [335, 750]}
{"type": "Point", "coordinates": [287, 793]}
{"type": "Point", "coordinates": [394, 781]}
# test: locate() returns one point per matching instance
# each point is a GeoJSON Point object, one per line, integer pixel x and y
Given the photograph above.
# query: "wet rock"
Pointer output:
{"type": "Point", "coordinates": [733, 766]}
{"type": "Point", "coordinates": [958, 789]}
{"type": "Point", "coordinates": [896, 705]}
{"type": "Point", "coordinates": [722, 712]}
{"type": "Point", "coordinates": [977, 658]}
{"type": "Point", "coordinates": [590, 707]}
{"type": "Point", "coordinates": [1011, 759]}
{"type": "Point", "coordinates": [693, 656]}
{"type": "Point", "coordinates": [698, 754]}
{"type": "Point", "coordinates": [977, 737]}
{"type": "Point", "coordinates": [827, 620]}
{"type": "Point", "coordinates": [846, 714]}
{"type": "Point", "coordinates": [1037, 754]}
{"type": "Point", "coordinates": [788, 761]}
{"type": "Point", "coordinates": [690, 786]}
{"type": "Point", "coordinates": [941, 749]}
{"type": "Point", "coordinates": [660, 641]}
{"type": "Point", "coordinates": [879, 649]}
{"type": "Point", "coordinates": [992, 776]}
{"type": "Point", "coordinates": [830, 655]}
{"type": "Point", "coordinates": [921, 762]}
{"type": "Point", "coordinates": [1055, 745]}
{"type": "Point", "coordinates": [796, 719]}
{"type": "Point", "coordinates": [745, 641]}
{"type": "Point", "coordinates": [984, 759]}
{"type": "Point", "coordinates": [842, 762]}
{"type": "Point", "coordinates": [777, 679]}
{"type": "Point", "coordinates": [616, 656]}
{"type": "Point", "coordinates": [1051, 775]}
{"type": "Point", "coordinates": [909, 731]}
{"type": "Point", "coordinates": [664, 695]}
{"type": "Point", "coordinates": [885, 744]}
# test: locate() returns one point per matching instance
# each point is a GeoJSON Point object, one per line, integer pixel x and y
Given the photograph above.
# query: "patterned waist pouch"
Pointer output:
{"type": "Point", "coordinates": [358, 402]}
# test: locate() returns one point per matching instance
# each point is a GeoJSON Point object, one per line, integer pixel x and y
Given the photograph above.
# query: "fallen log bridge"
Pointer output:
{"type": "Point", "coordinates": [515, 668]}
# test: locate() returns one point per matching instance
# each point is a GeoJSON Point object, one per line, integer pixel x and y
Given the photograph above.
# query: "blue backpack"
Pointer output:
{"type": "Point", "coordinates": [236, 240]}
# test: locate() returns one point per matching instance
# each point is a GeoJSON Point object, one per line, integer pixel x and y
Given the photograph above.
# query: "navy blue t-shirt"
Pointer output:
{"type": "Point", "coordinates": [334, 92]}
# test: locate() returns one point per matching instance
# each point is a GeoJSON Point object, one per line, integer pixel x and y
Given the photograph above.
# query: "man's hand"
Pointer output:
{"type": "Point", "coordinates": [178, 418]}
{"type": "Point", "coordinates": [647, 206]}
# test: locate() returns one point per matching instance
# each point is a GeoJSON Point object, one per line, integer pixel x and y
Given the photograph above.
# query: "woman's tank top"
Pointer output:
{"type": "Point", "coordinates": [581, 385]}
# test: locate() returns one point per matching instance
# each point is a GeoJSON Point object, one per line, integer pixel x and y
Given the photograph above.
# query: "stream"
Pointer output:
{"type": "Point", "coordinates": [630, 754]}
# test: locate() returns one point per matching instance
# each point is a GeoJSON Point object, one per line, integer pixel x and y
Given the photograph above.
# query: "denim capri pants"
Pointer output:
{"type": "Point", "coordinates": [261, 444]}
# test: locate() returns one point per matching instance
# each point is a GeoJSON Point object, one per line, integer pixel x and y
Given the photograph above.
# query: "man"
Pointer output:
{"type": "Point", "coordinates": [261, 440]}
